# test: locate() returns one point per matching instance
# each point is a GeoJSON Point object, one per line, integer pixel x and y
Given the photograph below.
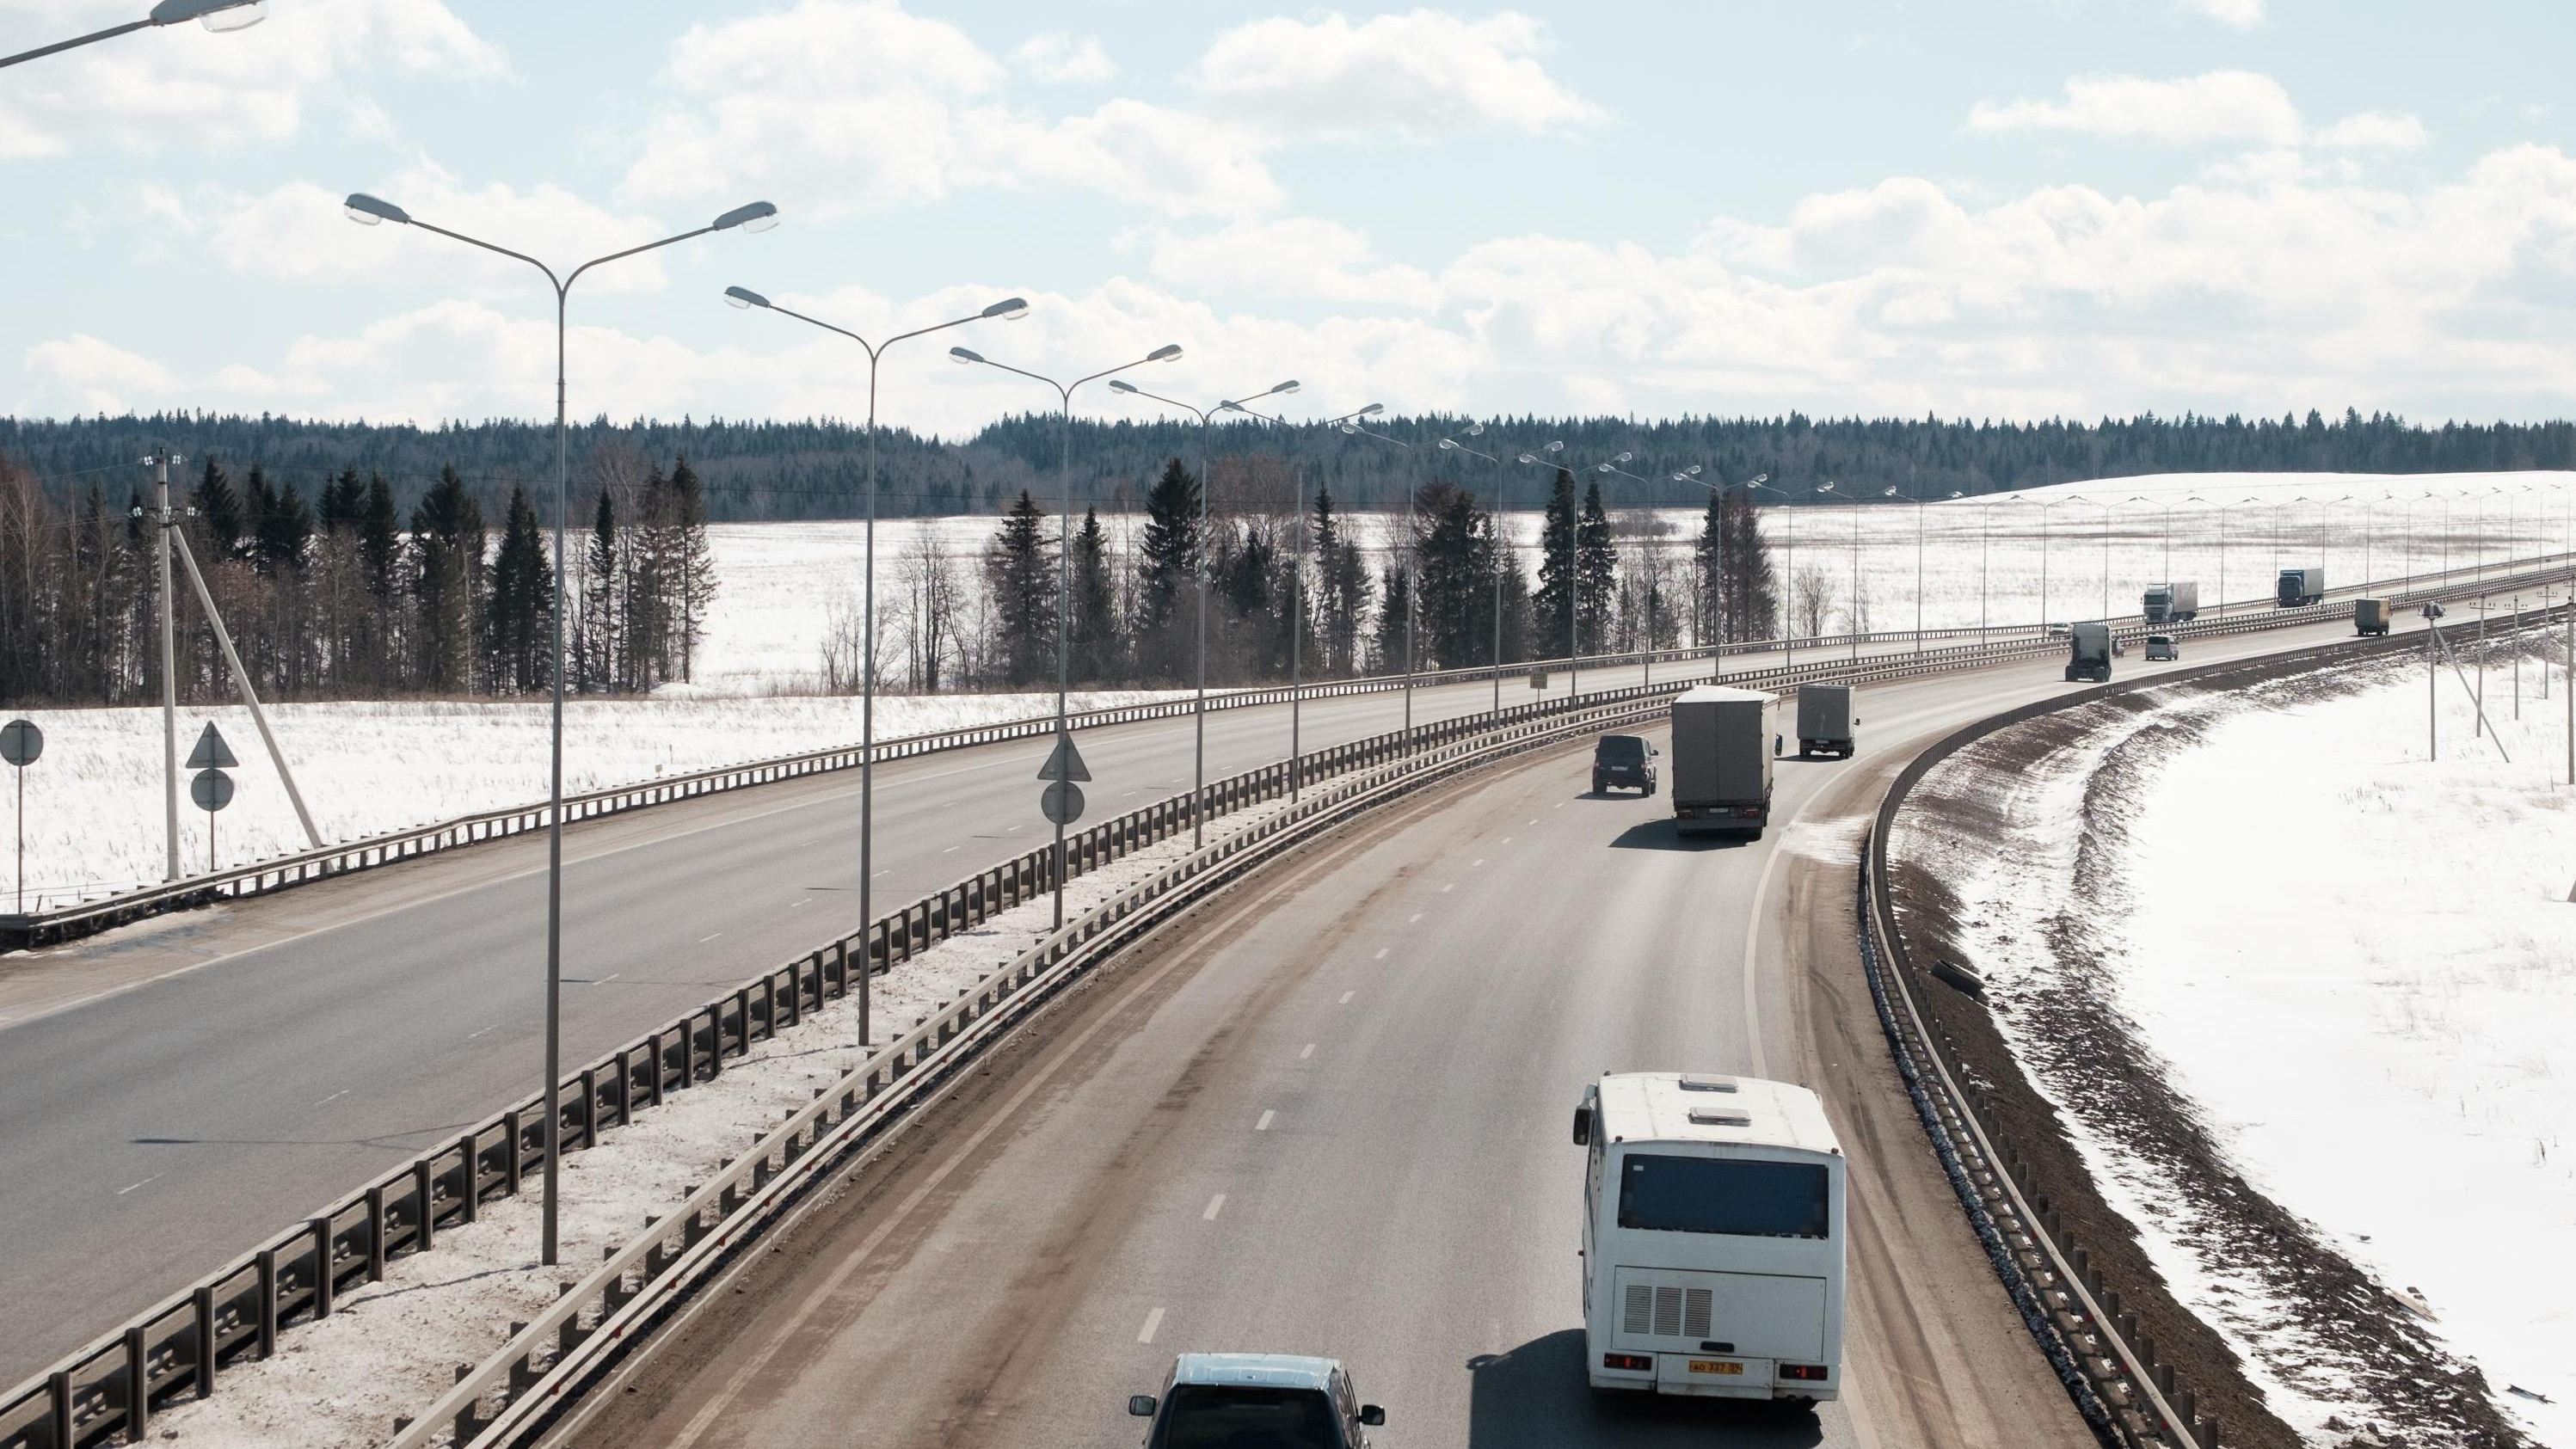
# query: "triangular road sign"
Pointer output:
{"type": "Point", "coordinates": [1064, 764]}
{"type": "Point", "coordinates": [213, 754]}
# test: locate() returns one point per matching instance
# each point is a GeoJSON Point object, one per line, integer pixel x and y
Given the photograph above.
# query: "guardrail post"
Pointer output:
{"type": "Point", "coordinates": [321, 1229]}
{"type": "Point", "coordinates": [138, 1387]}
{"type": "Point", "coordinates": [204, 1305]}
{"type": "Point", "coordinates": [469, 1201]}
{"type": "Point", "coordinates": [267, 1304]}
{"type": "Point", "coordinates": [625, 1087]}
{"type": "Point", "coordinates": [768, 1012]}
{"type": "Point", "coordinates": [424, 1191]}
{"type": "Point", "coordinates": [375, 1237]}
{"type": "Point", "coordinates": [590, 1106]}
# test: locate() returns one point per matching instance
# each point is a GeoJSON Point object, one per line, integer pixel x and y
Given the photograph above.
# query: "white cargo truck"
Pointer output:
{"type": "Point", "coordinates": [2176, 603]}
{"type": "Point", "coordinates": [1712, 1237]}
{"type": "Point", "coordinates": [1825, 720]}
{"type": "Point", "coordinates": [1721, 768]}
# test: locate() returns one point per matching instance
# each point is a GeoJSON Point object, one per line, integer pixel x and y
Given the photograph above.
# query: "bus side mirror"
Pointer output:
{"type": "Point", "coordinates": [1372, 1415]}
{"type": "Point", "coordinates": [1582, 1126]}
{"type": "Point", "coordinates": [1141, 1405]}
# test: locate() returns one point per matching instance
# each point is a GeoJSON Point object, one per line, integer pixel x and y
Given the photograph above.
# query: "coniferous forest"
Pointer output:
{"type": "Point", "coordinates": [357, 561]}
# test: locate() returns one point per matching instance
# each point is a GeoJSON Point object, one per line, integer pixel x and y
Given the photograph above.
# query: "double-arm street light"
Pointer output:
{"type": "Point", "coordinates": [1613, 468]}
{"type": "Point", "coordinates": [1009, 310]}
{"type": "Point", "coordinates": [372, 211]}
{"type": "Point", "coordinates": [1717, 646]}
{"type": "Point", "coordinates": [1064, 552]}
{"type": "Point", "coordinates": [217, 15]}
{"type": "Point", "coordinates": [1207, 484]}
{"type": "Point", "coordinates": [1789, 585]}
{"type": "Point", "coordinates": [1297, 596]}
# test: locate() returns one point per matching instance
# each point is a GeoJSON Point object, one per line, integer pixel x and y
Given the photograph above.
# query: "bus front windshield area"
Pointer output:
{"type": "Point", "coordinates": [1236, 1416]}
{"type": "Point", "coordinates": [1722, 1195]}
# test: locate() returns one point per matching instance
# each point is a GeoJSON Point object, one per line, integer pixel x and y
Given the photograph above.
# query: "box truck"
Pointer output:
{"type": "Point", "coordinates": [2090, 654]}
{"type": "Point", "coordinates": [2370, 616]}
{"type": "Point", "coordinates": [2300, 587]}
{"type": "Point", "coordinates": [2172, 603]}
{"type": "Point", "coordinates": [1825, 720]}
{"type": "Point", "coordinates": [1721, 763]}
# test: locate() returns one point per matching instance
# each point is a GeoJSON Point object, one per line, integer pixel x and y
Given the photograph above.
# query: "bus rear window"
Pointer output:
{"type": "Point", "coordinates": [1717, 1195]}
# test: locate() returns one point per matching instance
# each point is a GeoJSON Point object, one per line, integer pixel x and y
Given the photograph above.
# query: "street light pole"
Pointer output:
{"type": "Point", "coordinates": [1207, 484]}
{"type": "Point", "coordinates": [1009, 310]}
{"type": "Point", "coordinates": [1502, 552]}
{"type": "Point", "coordinates": [1064, 553]}
{"type": "Point", "coordinates": [1412, 580]}
{"type": "Point", "coordinates": [758, 216]}
{"type": "Point", "coordinates": [1573, 562]}
{"type": "Point", "coordinates": [216, 15]}
{"type": "Point", "coordinates": [1297, 606]}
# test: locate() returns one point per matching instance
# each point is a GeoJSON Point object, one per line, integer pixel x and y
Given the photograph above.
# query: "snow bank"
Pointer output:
{"type": "Point", "coordinates": [2395, 942]}
{"type": "Point", "coordinates": [390, 1348]}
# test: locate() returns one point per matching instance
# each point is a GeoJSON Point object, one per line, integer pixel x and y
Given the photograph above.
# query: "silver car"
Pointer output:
{"type": "Point", "coordinates": [1276, 1400]}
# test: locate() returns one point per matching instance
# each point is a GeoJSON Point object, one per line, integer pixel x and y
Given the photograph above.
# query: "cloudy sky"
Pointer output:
{"type": "Point", "coordinates": [2001, 208]}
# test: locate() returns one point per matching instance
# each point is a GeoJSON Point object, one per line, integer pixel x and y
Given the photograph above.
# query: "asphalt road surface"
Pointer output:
{"type": "Point", "coordinates": [1327, 1113]}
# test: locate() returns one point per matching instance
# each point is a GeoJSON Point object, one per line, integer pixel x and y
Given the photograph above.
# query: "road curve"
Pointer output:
{"type": "Point", "coordinates": [1326, 1114]}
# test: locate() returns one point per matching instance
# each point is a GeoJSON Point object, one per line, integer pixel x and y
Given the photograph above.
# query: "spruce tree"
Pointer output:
{"type": "Point", "coordinates": [1549, 619]}
{"type": "Point", "coordinates": [258, 502]}
{"type": "Point", "coordinates": [1094, 634]}
{"type": "Point", "coordinates": [219, 510]}
{"type": "Point", "coordinates": [285, 530]}
{"type": "Point", "coordinates": [693, 570]}
{"type": "Point", "coordinates": [1167, 574]}
{"type": "Point", "coordinates": [379, 538]}
{"type": "Point", "coordinates": [343, 502]}
{"type": "Point", "coordinates": [599, 651]}
{"type": "Point", "coordinates": [1597, 572]}
{"type": "Point", "coordinates": [519, 614]}
{"type": "Point", "coordinates": [446, 583]}
{"type": "Point", "coordinates": [1022, 575]}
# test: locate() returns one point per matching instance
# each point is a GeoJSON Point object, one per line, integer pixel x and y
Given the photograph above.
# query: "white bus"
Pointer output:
{"type": "Point", "coordinates": [1712, 1237]}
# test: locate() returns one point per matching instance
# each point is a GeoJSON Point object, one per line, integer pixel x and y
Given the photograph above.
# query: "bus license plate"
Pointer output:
{"type": "Point", "coordinates": [1715, 1366]}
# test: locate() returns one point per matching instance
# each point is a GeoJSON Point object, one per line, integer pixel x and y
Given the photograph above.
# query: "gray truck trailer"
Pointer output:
{"type": "Point", "coordinates": [2089, 653]}
{"type": "Point", "coordinates": [1825, 720]}
{"type": "Point", "coordinates": [1721, 765]}
{"type": "Point", "coordinates": [2370, 616]}
{"type": "Point", "coordinates": [2299, 588]}
{"type": "Point", "coordinates": [2175, 603]}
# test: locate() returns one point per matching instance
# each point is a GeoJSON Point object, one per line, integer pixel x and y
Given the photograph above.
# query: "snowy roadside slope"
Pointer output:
{"type": "Point", "coordinates": [94, 822]}
{"type": "Point", "coordinates": [2399, 1063]}
{"type": "Point", "coordinates": [2062, 885]}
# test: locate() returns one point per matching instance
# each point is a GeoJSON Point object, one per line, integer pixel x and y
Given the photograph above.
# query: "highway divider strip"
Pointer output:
{"type": "Point", "coordinates": [108, 1389]}
{"type": "Point", "coordinates": [2107, 1364]}
{"type": "Point", "coordinates": [330, 862]}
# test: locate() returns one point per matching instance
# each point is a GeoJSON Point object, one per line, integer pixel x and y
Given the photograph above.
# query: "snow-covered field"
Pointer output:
{"type": "Point", "coordinates": [2348, 968]}
{"type": "Point", "coordinates": [2398, 1065]}
{"type": "Point", "coordinates": [389, 1348]}
{"type": "Point", "coordinates": [94, 813]}
{"type": "Point", "coordinates": [2021, 558]}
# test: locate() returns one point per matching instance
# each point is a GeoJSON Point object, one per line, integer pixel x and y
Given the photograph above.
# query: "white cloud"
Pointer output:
{"type": "Point", "coordinates": [81, 374]}
{"type": "Point", "coordinates": [1302, 257]}
{"type": "Point", "coordinates": [182, 88]}
{"type": "Point", "coordinates": [1421, 74]}
{"type": "Point", "coordinates": [842, 105]}
{"type": "Point", "coordinates": [1062, 59]}
{"type": "Point", "coordinates": [2221, 106]}
{"type": "Point", "coordinates": [2375, 131]}
{"type": "Point", "coordinates": [2243, 14]}
{"type": "Point", "coordinates": [297, 232]}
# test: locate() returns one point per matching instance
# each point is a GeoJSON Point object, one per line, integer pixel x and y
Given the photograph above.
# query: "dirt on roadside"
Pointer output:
{"type": "Point", "coordinates": [2349, 1330]}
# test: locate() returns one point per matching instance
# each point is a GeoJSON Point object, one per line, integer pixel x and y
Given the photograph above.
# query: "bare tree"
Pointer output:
{"type": "Point", "coordinates": [933, 602]}
{"type": "Point", "coordinates": [1813, 591]}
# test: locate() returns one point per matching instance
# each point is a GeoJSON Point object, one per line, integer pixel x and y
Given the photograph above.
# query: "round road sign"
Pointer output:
{"type": "Point", "coordinates": [21, 742]}
{"type": "Point", "coordinates": [1062, 802]}
{"type": "Point", "coordinates": [211, 789]}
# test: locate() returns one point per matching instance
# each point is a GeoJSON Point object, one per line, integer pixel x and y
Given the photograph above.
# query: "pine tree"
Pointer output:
{"type": "Point", "coordinates": [1094, 642]}
{"type": "Point", "coordinates": [1549, 606]}
{"type": "Point", "coordinates": [1021, 572]}
{"type": "Point", "coordinates": [1342, 592]}
{"type": "Point", "coordinates": [1388, 646]}
{"type": "Point", "coordinates": [1454, 578]}
{"type": "Point", "coordinates": [446, 583]}
{"type": "Point", "coordinates": [258, 502]}
{"type": "Point", "coordinates": [693, 571]}
{"type": "Point", "coordinates": [1708, 565]}
{"type": "Point", "coordinates": [519, 614]}
{"type": "Point", "coordinates": [343, 502]}
{"type": "Point", "coordinates": [597, 647]}
{"type": "Point", "coordinates": [1597, 574]}
{"type": "Point", "coordinates": [285, 529]}
{"type": "Point", "coordinates": [1168, 571]}
{"type": "Point", "coordinates": [1752, 599]}
{"type": "Point", "coordinates": [218, 508]}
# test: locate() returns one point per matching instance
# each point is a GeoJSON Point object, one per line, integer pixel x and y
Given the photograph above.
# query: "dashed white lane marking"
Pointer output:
{"type": "Point", "coordinates": [951, 850]}
{"type": "Point", "coordinates": [809, 900]}
{"type": "Point", "coordinates": [1480, 860]}
{"type": "Point", "coordinates": [1308, 1052]}
{"type": "Point", "coordinates": [1347, 995]}
{"type": "Point", "coordinates": [122, 1191]}
{"type": "Point", "coordinates": [1153, 1321]}
{"type": "Point", "coordinates": [469, 1036]}
{"type": "Point", "coordinates": [1417, 919]}
{"type": "Point", "coordinates": [335, 1096]}
{"type": "Point", "coordinates": [1559, 805]}
{"type": "Point", "coordinates": [887, 871]}
{"type": "Point", "coordinates": [1015, 827]}
{"type": "Point", "coordinates": [1381, 953]}
{"type": "Point", "coordinates": [1216, 1205]}
{"type": "Point", "coordinates": [1444, 890]}
{"type": "Point", "coordinates": [702, 940]}
{"type": "Point", "coordinates": [613, 975]}
{"type": "Point", "coordinates": [1264, 1124]}
{"type": "Point", "coordinates": [1533, 820]}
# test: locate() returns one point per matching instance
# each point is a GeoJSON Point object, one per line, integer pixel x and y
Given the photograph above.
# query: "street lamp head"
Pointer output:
{"type": "Point", "coordinates": [961, 355]}
{"type": "Point", "coordinates": [1120, 384]}
{"type": "Point", "coordinates": [368, 210]}
{"type": "Point", "coordinates": [1761, 478]}
{"type": "Point", "coordinates": [1168, 352]}
{"type": "Point", "coordinates": [758, 216]}
{"type": "Point", "coordinates": [1825, 487]}
{"type": "Point", "coordinates": [1690, 472]}
{"type": "Point", "coordinates": [1475, 430]}
{"type": "Point", "coordinates": [1554, 447]}
{"type": "Point", "coordinates": [744, 298]}
{"type": "Point", "coordinates": [1890, 493]}
{"type": "Point", "coordinates": [1530, 458]}
{"type": "Point", "coordinates": [1010, 309]}
{"type": "Point", "coordinates": [1624, 457]}
{"type": "Point", "coordinates": [1350, 428]}
{"type": "Point", "coordinates": [1601, 467]}
{"type": "Point", "coordinates": [1372, 410]}
{"type": "Point", "coordinates": [217, 15]}
{"type": "Point", "coordinates": [1447, 444]}
{"type": "Point", "coordinates": [1283, 389]}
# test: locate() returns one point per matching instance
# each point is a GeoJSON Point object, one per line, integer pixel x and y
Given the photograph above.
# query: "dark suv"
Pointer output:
{"type": "Point", "coordinates": [1623, 760]}
{"type": "Point", "coordinates": [1269, 1400]}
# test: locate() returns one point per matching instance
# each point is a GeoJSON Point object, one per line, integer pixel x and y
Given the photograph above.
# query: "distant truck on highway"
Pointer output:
{"type": "Point", "coordinates": [2172, 603]}
{"type": "Point", "coordinates": [2089, 654]}
{"type": "Point", "coordinates": [2370, 616]}
{"type": "Point", "coordinates": [1721, 763]}
{"type": "Point", "coordinates": [1825, 720]}
{"type": "Point", "coordinates": [2299, 588]}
